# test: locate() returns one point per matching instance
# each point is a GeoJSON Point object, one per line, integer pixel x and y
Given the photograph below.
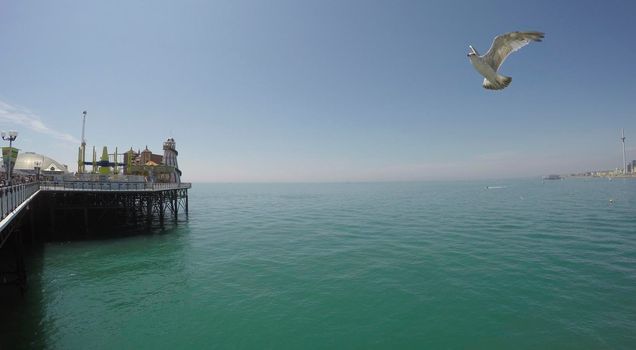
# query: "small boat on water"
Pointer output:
{"type": "Point", "coordinates": [552, 177]}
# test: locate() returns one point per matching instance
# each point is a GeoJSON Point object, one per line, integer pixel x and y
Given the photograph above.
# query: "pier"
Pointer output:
{"type": "Point", "coordinates": [85, 207]}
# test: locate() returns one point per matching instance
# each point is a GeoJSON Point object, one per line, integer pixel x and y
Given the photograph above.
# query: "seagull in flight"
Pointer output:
{"type": "Point", "coordinates": [503, 45]}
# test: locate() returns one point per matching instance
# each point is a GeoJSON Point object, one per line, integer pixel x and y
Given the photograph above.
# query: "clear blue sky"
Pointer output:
{"type": "Point", "coordinates": [322, 90]}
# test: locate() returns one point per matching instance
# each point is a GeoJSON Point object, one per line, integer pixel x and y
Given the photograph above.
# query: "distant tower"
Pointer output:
{"type": "Point", "coordinates": [170, 159]}
{"type": "Point", "coordinates": [623, 141]}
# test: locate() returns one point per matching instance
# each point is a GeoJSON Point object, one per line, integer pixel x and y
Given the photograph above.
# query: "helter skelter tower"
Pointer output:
{"type": "Point", "coordinates": [170, 159]}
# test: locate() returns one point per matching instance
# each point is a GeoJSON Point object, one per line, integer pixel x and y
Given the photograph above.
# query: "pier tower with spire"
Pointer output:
{"type": "Point", "coordinates": [170, 159]}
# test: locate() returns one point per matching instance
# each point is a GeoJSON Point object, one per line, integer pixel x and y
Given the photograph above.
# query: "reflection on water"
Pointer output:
{"type": "Point", "coordinates": [21, 315]}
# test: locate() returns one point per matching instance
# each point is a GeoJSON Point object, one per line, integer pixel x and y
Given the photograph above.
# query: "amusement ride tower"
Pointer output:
{"type": "Point", "coordinates": [170, 159]}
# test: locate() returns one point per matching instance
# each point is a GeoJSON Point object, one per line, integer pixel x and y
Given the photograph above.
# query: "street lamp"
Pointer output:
{"type": "Point", "coordinates": [37, 165]}
{"type": "Point", "coordinates": [11, 135]}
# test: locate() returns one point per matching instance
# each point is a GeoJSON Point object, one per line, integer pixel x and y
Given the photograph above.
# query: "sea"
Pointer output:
{"type": "Point", "coordinates": [498, 264]}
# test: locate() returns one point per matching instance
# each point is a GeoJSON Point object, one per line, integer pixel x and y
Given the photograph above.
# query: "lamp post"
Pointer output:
{"type": "Point", "coordinates": [11, 135]}
{"type": "Point", "coordinates": [37, 165]}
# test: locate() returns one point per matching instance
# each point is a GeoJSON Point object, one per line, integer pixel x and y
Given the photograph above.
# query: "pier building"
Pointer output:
{"type": "Point", "coordinates": [30, 162]}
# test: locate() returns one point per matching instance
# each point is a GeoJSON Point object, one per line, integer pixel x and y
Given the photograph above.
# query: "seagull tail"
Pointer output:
{"type": "Point", "coordinates": [504, 80]}
{"type": "Point", "coordinates": [501, 82]}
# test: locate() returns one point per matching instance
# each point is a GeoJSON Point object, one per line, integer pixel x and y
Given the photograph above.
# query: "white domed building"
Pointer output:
{"type": "Point", "coordinates": [27, 161]}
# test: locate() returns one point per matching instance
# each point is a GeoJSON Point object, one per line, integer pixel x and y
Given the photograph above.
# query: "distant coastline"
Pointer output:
{"type": "Point", "coordinates": [599, 174]}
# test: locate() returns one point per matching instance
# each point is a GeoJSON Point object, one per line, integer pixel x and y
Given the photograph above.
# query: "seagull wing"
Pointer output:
{"type": "Point", "coordinates": [505, 44]}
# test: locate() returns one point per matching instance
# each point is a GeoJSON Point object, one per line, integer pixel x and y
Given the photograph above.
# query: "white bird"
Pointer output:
{"type": "Point", "coordinates": [503, 45]}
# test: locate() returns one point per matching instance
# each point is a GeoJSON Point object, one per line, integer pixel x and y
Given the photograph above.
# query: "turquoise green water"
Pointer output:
{"type": "Point", "coordinates": [401, 265]}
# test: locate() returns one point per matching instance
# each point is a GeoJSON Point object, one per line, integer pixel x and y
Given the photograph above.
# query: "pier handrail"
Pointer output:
{"type": "Point", "coordinates": [110, 186]}
{"type": "Point", "coordinates": [12, 196]}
